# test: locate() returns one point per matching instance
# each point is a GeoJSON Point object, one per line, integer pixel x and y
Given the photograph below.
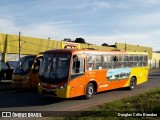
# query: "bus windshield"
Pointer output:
{"type": "Point", "coordinates": [24, 65]}
{"type": "Point", "coordinates": [55, 67]}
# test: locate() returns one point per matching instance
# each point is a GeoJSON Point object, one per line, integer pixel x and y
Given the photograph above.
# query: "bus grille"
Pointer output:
{"type": "Point", "coordinates": [49, 92]}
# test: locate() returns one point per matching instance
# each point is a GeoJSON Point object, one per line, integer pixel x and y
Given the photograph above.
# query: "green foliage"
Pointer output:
{"type": "Point", "coordinates": [148, 102]}
{"type": "Point", "coordinates": [79, 40]}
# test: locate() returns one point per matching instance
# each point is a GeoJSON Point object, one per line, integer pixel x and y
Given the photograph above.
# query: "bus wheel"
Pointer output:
{"type": "Point", "coordinates": [132, 83]}
{"type": "Point", "coordinates": [89, 91]}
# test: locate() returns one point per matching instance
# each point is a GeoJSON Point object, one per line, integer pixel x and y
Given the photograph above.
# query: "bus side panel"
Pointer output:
{"type": "Point", "coordinates": [77, 86]}
{"type": "Point", "coordinates": [103, 83]}
{"type": "Point", "coordinates": [20, 81]}
{"type": "Point", "coordinates": [99, 76]}
{"type": "Point", "coordinates": [118, 78]}
{"type": "Point", "coordinates": [34, 78]}
{"type": "Point", "coordinates": [141, 75]}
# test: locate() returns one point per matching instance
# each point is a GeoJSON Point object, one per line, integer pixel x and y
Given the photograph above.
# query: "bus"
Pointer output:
{"type": "Point", "coordinates": [26, 72]}
{"type": "Point", "coordinates": [6, 71]}
{"type": "Point", "coordinates": [68, 73]}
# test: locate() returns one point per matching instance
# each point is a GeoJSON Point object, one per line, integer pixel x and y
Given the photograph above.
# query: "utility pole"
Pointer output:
{"type": "Point", "coordinates": [5, 49]}
{"type": "Point", "coordinates": [125, 47]}
{"type": "Point", "coordinates": [19, 45]}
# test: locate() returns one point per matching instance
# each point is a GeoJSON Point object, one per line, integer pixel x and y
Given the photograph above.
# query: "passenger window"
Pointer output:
{"type": "Point", "coordinates": [90, 62]}
{"type": "Point", "coordinates": [78, 65]}
{"type": "Point", "coordinates": [108, 61]}
{"type": "Point", "coordinates": [98, 64]}
{"type": "Point", "coordinates": [94, 62]}
{"type": "Point", "coordinates": [115, 58]}
{"type": "Point", "coordinates": [77, 68]}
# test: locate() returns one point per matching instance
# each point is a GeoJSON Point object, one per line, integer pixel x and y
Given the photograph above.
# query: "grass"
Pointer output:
{"type": "Point", "coordinates": [148, 103]}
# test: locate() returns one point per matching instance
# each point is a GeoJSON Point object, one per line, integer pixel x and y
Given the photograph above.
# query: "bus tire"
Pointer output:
{"type": "Point", "coordinates": [132, 83]}
{"type": "Point", "coordinates": [90, 91]}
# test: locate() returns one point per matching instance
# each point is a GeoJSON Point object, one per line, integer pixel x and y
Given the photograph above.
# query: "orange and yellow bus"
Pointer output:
{"type": "Point", "coordinates": [70, 73]}
{"type": "Point", "coordinates": [26, 72]}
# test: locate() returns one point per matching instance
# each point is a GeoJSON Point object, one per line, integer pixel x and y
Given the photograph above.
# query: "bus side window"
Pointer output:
{"type": "Point", "coordinates": [90, 66]}
{"type": "Point", "coordinates": [36, 66]}
{"type": "Point", "coordinates": [90, 62]}
{"type": "Point", "coordinates": [98, 62]}
{"type": "Point", "coordinates": [115, 60]}
{"type": "Point", "coordinates": [81, 68]}
{"type": "Point", "coordinates": [78, 66]}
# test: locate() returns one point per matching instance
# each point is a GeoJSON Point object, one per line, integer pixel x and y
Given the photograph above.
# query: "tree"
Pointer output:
{"type": "Point", "coordinates": [80, 40]}
{"type": "Point", "coordinates": [104, 44]}
{"type": "Point", "coordinates": [67, 39]}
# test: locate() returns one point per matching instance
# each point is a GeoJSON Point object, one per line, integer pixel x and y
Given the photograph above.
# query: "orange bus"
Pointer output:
{"type": "Point", "coordinates": [26, 72]}
{"type": "Point", "coordinates": [70, 73]}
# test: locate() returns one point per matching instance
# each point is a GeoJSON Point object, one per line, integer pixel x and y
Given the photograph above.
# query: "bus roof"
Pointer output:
{"type": "Point", "coordinates": [87, 51]}
{"type": "Point", "coordinates": [29, 56]}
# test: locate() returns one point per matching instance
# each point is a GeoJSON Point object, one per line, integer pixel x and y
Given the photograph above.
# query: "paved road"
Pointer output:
{"type": "Point", "coordinates": [12, 100]}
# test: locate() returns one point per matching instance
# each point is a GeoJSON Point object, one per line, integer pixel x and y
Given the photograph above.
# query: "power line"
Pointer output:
{"type": "Point", "coordinates": [2, 43]}
{"type": "Point", "coordinates": [8, 41]}
{"type": "Point", "coordinates": [37, 44]}
{"type": "Point", "coordinates": [23, 48]}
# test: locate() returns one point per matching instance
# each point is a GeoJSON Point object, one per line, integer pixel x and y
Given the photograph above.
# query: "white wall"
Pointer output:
{"type": "Point", "coordinates": [155, 61]}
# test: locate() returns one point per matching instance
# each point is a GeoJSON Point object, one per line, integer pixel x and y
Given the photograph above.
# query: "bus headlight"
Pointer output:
{"type": "Point", "coordinates": [63, 86]}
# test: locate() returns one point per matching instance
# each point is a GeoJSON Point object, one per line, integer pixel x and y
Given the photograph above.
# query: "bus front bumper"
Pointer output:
{"type": "Point", "coordinates": [57, 92]}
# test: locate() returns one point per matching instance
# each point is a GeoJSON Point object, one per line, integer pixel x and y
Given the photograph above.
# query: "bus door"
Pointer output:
{"type": "Point", "coordinates": [34, 74]}
{"type": "Point", "coordinates": [77, 76]}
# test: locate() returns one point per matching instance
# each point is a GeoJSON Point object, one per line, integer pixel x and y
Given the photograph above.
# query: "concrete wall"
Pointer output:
{"type": "Point", "coordinates": [155, 61]}
{"type": "Point", "coordinates": [134, 48]}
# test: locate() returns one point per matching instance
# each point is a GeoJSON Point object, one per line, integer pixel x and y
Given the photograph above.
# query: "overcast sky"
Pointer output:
{"type": "Point", "coordinates": [97, 21]}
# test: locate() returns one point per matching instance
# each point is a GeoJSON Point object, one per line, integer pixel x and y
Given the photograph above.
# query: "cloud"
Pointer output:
{"type": "Point", "coordinates": [142, 20]}
{"type": "Point", "coordinates": [102, 4]}
{"type": "Point", "coordinates": [111, 39]}
{"type": "Point", "coordinates": [54, 30]}
{"type": "Point", "coordinates": [149, 2]}
{"type": "Point", "coordinates": [59, 20]}
{"type": "Point", "coordinates": [45, 30]}
{"type": "Point", "coordinates": [8, 26]}
{"type": "Point", "coordinates": [60, 30]}
{"type": "Point", "coordinates": [149, 39]}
